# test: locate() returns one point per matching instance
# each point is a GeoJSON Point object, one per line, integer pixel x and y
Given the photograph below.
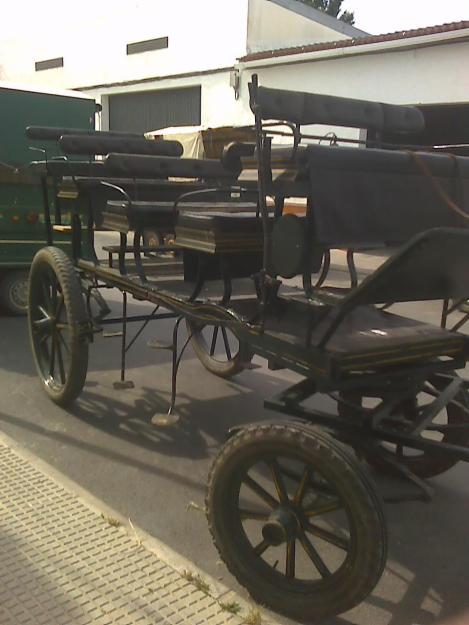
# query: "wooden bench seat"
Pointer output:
{"type": "Point", "coordinates": [219, 232]}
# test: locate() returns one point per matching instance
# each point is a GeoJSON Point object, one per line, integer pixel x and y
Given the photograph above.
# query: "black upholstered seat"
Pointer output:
{"type": "Point", "coordinates": [368, 338]}
{"type": "Point", "coordinates": [136, 215]}
{"type": "Point", "coordinates": [123, 217]}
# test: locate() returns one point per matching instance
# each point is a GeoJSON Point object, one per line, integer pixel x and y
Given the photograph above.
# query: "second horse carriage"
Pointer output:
{"type": "Point", "coordinates": [291, 504]}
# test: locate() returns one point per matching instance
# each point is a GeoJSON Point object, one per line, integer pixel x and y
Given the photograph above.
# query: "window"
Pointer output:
{"type": "Point", "coordinates": [147, 46]}
{"type": "Point", "coordinates": [49, 64]}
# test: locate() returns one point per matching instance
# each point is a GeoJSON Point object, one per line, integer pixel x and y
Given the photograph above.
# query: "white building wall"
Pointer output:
{"type": "Point", "coordinates": [92, 38]}
{"type": "Point", "coordinates": [271, 26]}
{"type": "Point", "coordinates": [436, 74]}
{"type": "Point", "coordinates": [218, 107]}
{"type": "Point", "coordinates": [425, 75]}
{"type": "Point", "coordinates": [428, 75]}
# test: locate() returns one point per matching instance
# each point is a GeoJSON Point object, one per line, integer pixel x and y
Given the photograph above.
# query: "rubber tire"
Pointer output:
{"type": "Point", "coordinates": [220, 369]}
{"type": "Point", "coordinates": [7, 283]}
{"type": "Point", "coordinates": [355, 581]}
{"type": "Point", "coordinates": [427, 465]}
{"type": "Point", "coordinates": [77, 316]}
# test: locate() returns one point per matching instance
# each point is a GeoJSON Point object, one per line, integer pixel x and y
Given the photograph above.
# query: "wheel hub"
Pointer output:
{"type": "Point", "coordinates": [281, 527]}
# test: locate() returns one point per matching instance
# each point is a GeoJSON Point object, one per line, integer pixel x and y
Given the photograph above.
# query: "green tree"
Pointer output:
{"type": "Point", "coordinates": [332, 7]}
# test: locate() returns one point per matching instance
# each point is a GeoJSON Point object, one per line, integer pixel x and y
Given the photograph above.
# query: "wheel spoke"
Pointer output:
{"type": "Point", "coordinates": [314, 556]}
{"type": "Point", "coordinates": [260, 492]}
{"type": "Point", "coordinates": [52, 357]}
{"type": "Point", "coordinates": [328, 536]}
{"type": "Point", "coordinates": [62, 340]}
{"type": "Point", "coordinates": [46, 292]}
{"type": "Point", "coordinates": [290, 559]}
{"type": "Point", "coordinates": [327, 507]}
{"type": "Point", "coordinates": [298, 497]}
{"type": "Point", "coordinates": [59, 358]}
{"type": "Point", "coordinates": [44, 313]}
{"type": "Point", "coordinates": [261, 547]}
{"type": "Point", "coordinates": [58, 308]}
{"type": "Point", "coordinates": [45, 336]}
{"type": "Point", "coordinates": [41, 325]}
{"type": "Point", "coordinates": [54, 291]}
{"type": "Point", "coordinates": [62, 326]}
{"type": "Point", "coordinates": [226, 342]}
{"type": "Point", "coordinates": [252, 515]}
{"type": "Point", "coordinates": [278, 481]}
{"type": "Point", "coordinates": [214, 340]}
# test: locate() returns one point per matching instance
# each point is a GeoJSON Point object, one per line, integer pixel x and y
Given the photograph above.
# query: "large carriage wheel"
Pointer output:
{"type": "Point", "coordinates": [218, 349]}
{"type": "Point", "coordinates": [296, 520]}
{"type": "Point", "coordinates": [422, 463]}
{"type": "Point", "coordinates": [57, 319]}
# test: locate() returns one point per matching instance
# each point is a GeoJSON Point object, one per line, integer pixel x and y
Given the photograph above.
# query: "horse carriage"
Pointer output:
{"type": "Point", "coordinates": [291, 504]}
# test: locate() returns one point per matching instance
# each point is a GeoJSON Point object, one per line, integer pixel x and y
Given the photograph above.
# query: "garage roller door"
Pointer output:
{"type": "Point", "coordinates": [150, 110]}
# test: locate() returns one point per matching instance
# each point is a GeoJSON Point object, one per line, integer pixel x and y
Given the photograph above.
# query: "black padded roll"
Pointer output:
{"type": "Point", "coordinates": [99, 144]}
{"type": "Point", "coordinates": [234, 151]}
{"type": "Point", "coordinates": [48, 133]}
{"type": "Point", "coordinates": [69, 168]}
{"type": "Point", "coordinates": [311, 108]}
{"type": "Point", "coordinates": [138, 165]}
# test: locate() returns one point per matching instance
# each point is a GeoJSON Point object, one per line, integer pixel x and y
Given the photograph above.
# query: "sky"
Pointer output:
{"type": "Point", "coordinates": [386, 16]}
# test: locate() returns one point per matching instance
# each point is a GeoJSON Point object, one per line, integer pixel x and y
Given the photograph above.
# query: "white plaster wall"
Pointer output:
{"type": "Point", "coordinates": [427, 75]}
{"type": "Point", "coordinates": [92, 38]}
{"type": "Point", "coordinates": [219, 106]}
{"type": "Point", "coordinates": [437, 74]}
{"type": "Point", "coordinates": [271, 27]}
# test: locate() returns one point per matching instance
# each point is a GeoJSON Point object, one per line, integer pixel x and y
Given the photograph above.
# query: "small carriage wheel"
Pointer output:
{"type": "Point", "coordinates": [218, 349]}
{"type": "Point", "coordinates": [422, 463]}
{"type": "Point", "coordinates": [296, 520]}
{"type": "Point", "coordinates": [14, 292]}
{"type": "Point", "coordinates": [57, 323]}
{"type": "Point", "coordinates": [152, 238]}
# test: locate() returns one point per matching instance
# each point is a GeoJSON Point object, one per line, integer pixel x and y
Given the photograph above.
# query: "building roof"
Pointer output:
{"type": "Point", "coordinates": [319, 16]}
{"type": "Point", "coordinates": [359, 41]}
{"type": "Point", "coordinates": [15, 86]}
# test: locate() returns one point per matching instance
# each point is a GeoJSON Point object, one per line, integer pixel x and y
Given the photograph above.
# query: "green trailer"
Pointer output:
{"type": "Point", "coordinates": [22, 223]}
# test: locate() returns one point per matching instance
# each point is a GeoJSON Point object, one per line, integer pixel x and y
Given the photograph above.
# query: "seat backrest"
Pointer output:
{"type": "Point", "coordinates": [311, 108]}
{"type": "Point", "coordinates": [434, 265]}
{"type": "Point", "coordinates": [381, 197]}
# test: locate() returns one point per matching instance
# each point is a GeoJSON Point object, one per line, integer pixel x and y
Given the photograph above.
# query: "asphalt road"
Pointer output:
{"type": "Point", "coordinates": [106, 444]}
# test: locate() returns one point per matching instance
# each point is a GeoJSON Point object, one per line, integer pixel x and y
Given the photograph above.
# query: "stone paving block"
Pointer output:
{"type": "Point", "coordinates": [64, 564]}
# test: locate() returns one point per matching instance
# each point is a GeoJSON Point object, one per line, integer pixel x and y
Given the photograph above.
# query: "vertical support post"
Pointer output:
{"type": "Point", "coordinates": [124, 334]}
{"type": "Point", "coordinates": [45, 201]}
{"type": "Point", "coordinates": [260, 145]}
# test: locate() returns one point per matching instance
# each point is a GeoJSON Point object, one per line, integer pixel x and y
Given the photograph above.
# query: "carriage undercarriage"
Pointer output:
{"type": "Point", "coordinates": [290, 503]}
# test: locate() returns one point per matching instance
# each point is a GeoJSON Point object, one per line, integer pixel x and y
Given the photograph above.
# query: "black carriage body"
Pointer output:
{"type": "Point", "coordinates": [226, 259]}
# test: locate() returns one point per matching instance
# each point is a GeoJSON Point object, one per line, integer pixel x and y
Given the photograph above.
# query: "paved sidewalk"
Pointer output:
{"type": "Point", "coordinates": [69, 561]}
